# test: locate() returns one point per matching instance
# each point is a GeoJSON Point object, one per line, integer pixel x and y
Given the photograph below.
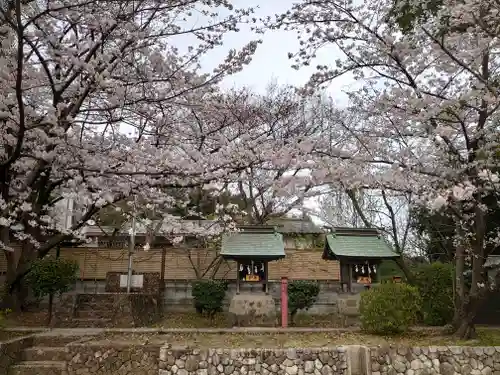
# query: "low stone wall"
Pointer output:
{"type": "Point", "coordinates": [112, 359]}
{"type": "Point", "coordinates": [320, 361]}
{"type": "Point", "coordinates": [104, 357]}
{"type": "Point", "coordinates": [177, 294]}
{"type": "Point", "coordinates": [11, 351]}
{"type": "Point", "coordinates": [445, 360]}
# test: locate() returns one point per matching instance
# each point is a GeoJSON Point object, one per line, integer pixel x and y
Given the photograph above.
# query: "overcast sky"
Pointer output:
{"type": "Point", "coordinates": [271, 63]}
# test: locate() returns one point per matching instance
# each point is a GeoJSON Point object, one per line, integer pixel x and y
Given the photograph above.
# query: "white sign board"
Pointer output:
{"type": "Point", "coordinates": [136, 282]}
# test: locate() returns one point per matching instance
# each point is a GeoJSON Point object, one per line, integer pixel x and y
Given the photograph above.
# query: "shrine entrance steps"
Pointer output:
{"type": "Point", "coordinates": [47, 356]}
{"type": "Point", "coordinates": [94, 310]}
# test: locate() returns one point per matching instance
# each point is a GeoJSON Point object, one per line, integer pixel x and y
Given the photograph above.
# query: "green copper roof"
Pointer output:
{"type": "Point", "coordinates": [357, 244]}
{"type": "Point", "coordinates": [259, 244]}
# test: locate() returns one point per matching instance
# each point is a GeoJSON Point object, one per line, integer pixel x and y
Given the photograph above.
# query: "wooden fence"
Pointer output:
{"type": "Point", "coordinates": [184, 264]}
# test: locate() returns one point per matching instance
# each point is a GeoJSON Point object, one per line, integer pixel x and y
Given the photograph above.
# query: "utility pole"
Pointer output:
{"type": "Point", "coordinates": [131, 248]}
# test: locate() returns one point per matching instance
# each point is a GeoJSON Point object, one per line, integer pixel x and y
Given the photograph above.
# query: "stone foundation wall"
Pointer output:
{"type": "Point", "coordinates": [104, 357]}
{"type": "Point", "coordinates": [177, 294]}
{"type": "Point", "coordinates": [445, 360]}
{"type": "Point", "coordinates": [322, 361]}
{"type": "Point", "coordinates": [112, 359]}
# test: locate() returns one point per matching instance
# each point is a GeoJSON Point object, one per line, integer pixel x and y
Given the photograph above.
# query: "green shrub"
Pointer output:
{"type": "Point", "coordinates": [389, 308]}
{"type": "Point", "coordinates": [50, 275]}
{"type": "Point", "coordinates": [301, 295]}
{"type": "Point", "coordinates": [435, 284]}
{"type": "Point", "coordinates": [208, 296]}
{"type": "Point", "coordinates": [3, 317]}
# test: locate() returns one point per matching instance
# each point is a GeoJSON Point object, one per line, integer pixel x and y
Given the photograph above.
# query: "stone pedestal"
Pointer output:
{"type": "Point", "coordinates": [348, 308]}
{"type": "Point", "coordinates": [253, 309]}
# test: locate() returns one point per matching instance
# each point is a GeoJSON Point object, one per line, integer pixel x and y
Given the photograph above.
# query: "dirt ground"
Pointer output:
{"type": "Point", "coordinates": [487, 336]}
{"type": "Point", "coordinates": [27, 319]}
{"type": "Point", "coordinates": [193, 320]}
{"type": "Point", "coordinates": [297, 340]}
{"type": "Point", "coordinates": [180, 320]}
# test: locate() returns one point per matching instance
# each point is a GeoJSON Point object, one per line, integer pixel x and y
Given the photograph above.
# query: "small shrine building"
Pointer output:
{"type": "Point", "coordinates": [359, 252]}
{"type": "Point", "coordinates": [253, 247]}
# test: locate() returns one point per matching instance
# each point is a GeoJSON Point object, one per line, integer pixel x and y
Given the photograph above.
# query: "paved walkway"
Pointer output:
{"type": "Point", "coordinates": [94, 331]}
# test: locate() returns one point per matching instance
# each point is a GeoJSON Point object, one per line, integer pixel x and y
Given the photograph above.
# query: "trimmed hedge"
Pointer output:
{"type": "Point", "coordinates": [301, 295]}
{"type": "Point", "coordinates": [51, 276]}
{"type": "Point", "coordinates": [389, 308]}
{"type": "Point", "coordinates": [209, 296]}
{"type": "Point", "coordinates": [435, 284]}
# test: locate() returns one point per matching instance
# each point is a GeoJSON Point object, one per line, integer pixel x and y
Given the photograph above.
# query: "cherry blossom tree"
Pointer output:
{"type": "Point", "coordinates": [270, 190]}
{"type": "Point", "coordinates": [261, 189]}
{"type": "Point", "coordinates": [97, 105]}
{"type": "Point", "coordinates": [387, 211]}
{"type": "Point", "coordinates": [259, 192]}
{"type": "Point", "coordinates": [429, 113]}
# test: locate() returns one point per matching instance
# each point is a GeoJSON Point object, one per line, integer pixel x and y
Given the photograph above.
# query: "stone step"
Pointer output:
{"type": "Point", "coordinates": [39, 368]}
{"type": "Point", "coordinates": [93, 314]}
{"type": "Point", "coordinates": [97, 306]}
{"type": "Point", "coordinates": [90, 323]}
{"type": "Point", "coordinates": [49, 340]}
{"type": "Point", "coordinates": [44, 353]}
{"type": "Point", "coordinates": [96, 299]}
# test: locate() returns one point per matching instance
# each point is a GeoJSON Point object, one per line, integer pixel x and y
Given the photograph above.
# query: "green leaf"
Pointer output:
{"type": "Point", "coordinates": [209, 296]}
{"type": "Point", "coordinates": [389, 308]}
{"type": "Point", "coordinates": [51, 276]}
{"type": "Point", "coordinates": [301, 295]}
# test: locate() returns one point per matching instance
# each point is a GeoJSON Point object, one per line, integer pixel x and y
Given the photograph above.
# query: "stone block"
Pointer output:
{"type": "Point", "coordinates": [151, 282]}
{"type": "Point", "coordinates": [252, 309]}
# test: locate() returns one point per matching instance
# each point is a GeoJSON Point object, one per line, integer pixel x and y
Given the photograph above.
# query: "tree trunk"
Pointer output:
{"type": "Point", "coordinates": [51, 308]}
{"type": "Point", "coordinates": [405, 269]}
{"type": "Point", "coordinates": [11, 257]}
{"type": "Point", "coordinates": [467, 303]}
{"type": "Point", "coordinates": [459, 286]}
{"type": "Point", "coordinates": [17, 288]}
{"type": "Point", "coordinates": [466, 329]}
{"type": "Point", "coordinates": [18, 292]}
{"type": "Point", "coordinates": [465, 315]}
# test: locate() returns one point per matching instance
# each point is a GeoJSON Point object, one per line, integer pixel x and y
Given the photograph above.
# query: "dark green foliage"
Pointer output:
{"type": "Point", "coordinates": [389, 308]}
{"type": "Point", "coordinates": [208, 296]}
{"type": "Point", "coordinates": [301, 295]}
{"type": "Point", "coordinates": [387, 269]}
{"type": "Point", "coordinates": [405, 13]}
{"type": "Point", "coordinates": [51, 276]}
{"type": "Point", "coordinates": [435, 284]}
{"type": "Point", "coordinates": [192, 204]}
{"type": "Point", "coordinates": [3, 317]}
{"type": "Point", "coordinates": [437, 229]}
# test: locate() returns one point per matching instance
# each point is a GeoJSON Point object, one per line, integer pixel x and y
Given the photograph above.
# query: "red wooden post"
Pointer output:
{"type": "Point", "coordinates": [284, 302]}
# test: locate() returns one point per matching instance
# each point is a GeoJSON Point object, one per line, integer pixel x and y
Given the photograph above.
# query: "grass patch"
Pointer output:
{"type": "Point", "coordinates": [317, 321]}
{"type": "Point", "coordinates": [487, 337]}
{"type": "Point", "coordinates": [181, 320]}
{"type": "Point", "coordinates": [8, 335]}
{"type": "Point", "coordinates": [194, 320]}
{"type": "Point", "coordinates": [27, 319]}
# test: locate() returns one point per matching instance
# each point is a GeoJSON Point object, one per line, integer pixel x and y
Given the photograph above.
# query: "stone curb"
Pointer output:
{"type": "Point", "coordinates": [77, 331]}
